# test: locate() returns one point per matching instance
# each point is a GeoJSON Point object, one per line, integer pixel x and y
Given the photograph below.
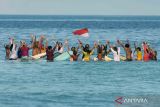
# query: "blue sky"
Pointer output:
{"type": "Point", "coordinates": [80, 7]}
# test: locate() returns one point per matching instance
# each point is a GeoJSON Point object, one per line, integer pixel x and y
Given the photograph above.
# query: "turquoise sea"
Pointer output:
{"type": "Point", "coordinates": [77, 84]}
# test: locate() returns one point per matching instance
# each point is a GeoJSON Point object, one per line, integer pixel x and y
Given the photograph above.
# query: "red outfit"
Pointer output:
{"type": "Point", "coordinates": [75, 57]}
{"type": "Point", "coordinates": [151, 55]}
{"type": "Point", "coordinates": [146, 54]}
{"type": "Point", "coordinates": [50, 54]}
{"type": "Point", "coordinates": [146, 57]}
{"type": "Point", "coordinates": [24, 51]}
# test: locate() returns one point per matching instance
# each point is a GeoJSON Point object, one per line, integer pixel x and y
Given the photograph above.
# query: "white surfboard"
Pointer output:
{"type": "Point", "coordinates": [108, 59]}
{"type": "Point", "coordinates": [38, 56]}
{"type": "Point", "coordinates": [123, 58]}
{"type": "Point", "coordinates": [64, 56]}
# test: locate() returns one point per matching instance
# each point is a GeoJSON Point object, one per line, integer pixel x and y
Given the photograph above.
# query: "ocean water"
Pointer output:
{"type": "Point", "coordinates": [77, 84]}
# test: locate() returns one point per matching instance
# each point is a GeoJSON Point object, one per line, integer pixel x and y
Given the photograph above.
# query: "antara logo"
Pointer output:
{"type": "Point", "coordinates": [131, 100]}
{"type": "Point", "coordinates": [119, 100]}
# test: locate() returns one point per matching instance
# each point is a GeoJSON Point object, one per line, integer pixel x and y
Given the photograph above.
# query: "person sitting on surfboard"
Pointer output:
{"type": "Point", "coordinates": [116, 51]}
{"type": "Point", "coordinates": [81, 46]}
{"type": "Point", "coordinates": [127, 50]}
{"type": "Point", "coordinates": [74, 56]}
{"type": "Point", "coordinates": [99, 52]}
{"type": "Point", "coordinates": [152, 53]}
{"type": "Point", "coordinates": [19, 52]}
{"type": "Point", "coordinates": [139, 52]}
{"type": "Point", "coordinates": [13, 49]}
{"type": "Point", "coordinates": [7, 48]}
{"type": "Point", "coordinates": [35, 46]}
{"type": "Point", "coordinates": [42, 47]}
{"type": "Point", "coordinates": [24, 50]}
{"type": "Point", "coordinates": [155, 55]}
{"type": "Point", "coordinates": [146, 52]}
{"type": "Point", "coordinates": [87, 52]}
{"type": "Point", "coordinates": [50, 53]}
{"type": "Point", "coordinates": [104, 50]}
{"type": "Point", "coordinates": [59, 47]}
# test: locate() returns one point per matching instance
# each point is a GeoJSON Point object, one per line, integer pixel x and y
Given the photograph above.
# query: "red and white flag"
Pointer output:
{"type": "Point", "coordinates": [82, 32]}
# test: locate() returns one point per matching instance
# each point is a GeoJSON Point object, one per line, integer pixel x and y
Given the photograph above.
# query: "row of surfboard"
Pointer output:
{"type": "Point", "coordinates": [108, 59]}
{"type": "Point", "coordinates": [66, 56]}
{"type": "Point", "coordinates": [57, 56]}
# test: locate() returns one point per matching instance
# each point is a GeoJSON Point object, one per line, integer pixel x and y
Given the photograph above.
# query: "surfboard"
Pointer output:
{"type": "Point", "coordinates": [123, 58]}
{"type": "Point", "coordinates": [56, 54]}
{"type": "Point", "coordinates": [64, 56]}
{"type": "Point", "coordinates": [38, 56]}
{"type": "Point", "coordinates": [106, 58]}
{"type": "Point", "coordinates": [25, 58]}
{"type": "Point", "coordinates": [95, 59]}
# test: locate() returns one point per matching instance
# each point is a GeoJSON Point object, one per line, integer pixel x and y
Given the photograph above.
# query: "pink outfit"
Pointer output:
{"type": "Point", "coordinates": [25, 51]}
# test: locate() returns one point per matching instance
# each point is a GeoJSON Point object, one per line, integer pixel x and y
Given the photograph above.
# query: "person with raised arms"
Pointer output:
{"type": "Point", "coordinates": [152, 53]}
{"type": "Point", "coordinates": [87, 52]}
{"type": "Point", "coordinates": [75, 55]}
{"type": "Point", "coordinates": [115, 50]}
{"type": "Point", "coordinates": [8, 49]}
{"type": "Point", "coordinates": [100, 51]}
{"type": "Point", "coordinates": [34, 46]}
{"type": "Point", "coordinates": [13, 48]}
{"type": "Point", "coordinates": [146, 52]}
{"type": "Point", "coordinates": [59, 47]}
{"type": "Point", "coordinates": [24, 50]}
{"type": "Point", "coordinates": [50, 52]}
{"type": "Point", "coordinates": [42, 47]}
{"type": "Point", "coordinates": [105, 52]}
{"type": "Point", "coordinates": [138, 52]}
{"type": "Point", "coordinates": [155, 55]}
{"type": "Point", "coordinates": [127, 50]}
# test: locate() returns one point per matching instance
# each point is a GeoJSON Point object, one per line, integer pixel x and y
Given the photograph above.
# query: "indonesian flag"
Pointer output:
{"type": "Point", "coordinates": [81, 32]}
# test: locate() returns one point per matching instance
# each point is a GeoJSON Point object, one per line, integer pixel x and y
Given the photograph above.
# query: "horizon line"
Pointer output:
{"type": "Point", "coordinates": [74, 15]}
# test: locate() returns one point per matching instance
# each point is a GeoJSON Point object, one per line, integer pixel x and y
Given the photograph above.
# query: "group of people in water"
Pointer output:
{"type": "Point", "coordinates": [20, 50]}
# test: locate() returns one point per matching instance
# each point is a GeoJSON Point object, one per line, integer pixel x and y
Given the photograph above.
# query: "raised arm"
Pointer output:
{"type": "Point", "coordinates": [77, 48]}
{"type": "Point", "coordinates": [54, 47]}
{"type": "Point", "coordinates": [95, 45]}
{"type": "Point", "coordinates": [46, 43]}
{"type": "Point", "coordinates": [145, 47]}
{"type": "Point", "coordinates": [67, 44]}
{"type": "Point", "coordinates": [41, 41]}
{"type": "Point", "coordinates": [33, 40]}
{"type": "Point", "coordinates": [120, 43]}
{"type": "Point", "coordinates": [128, 41]}
{"type": "Point", "coordinates": [80, 42]}
{"type": "Point", "coordinates": [108, 43]}
{"type": "Point", "coordinates": [81, 46]}
{"type": "Point", "coordinates": [135, 47]}
{"type": "Point", "coordinates": [10, 40]}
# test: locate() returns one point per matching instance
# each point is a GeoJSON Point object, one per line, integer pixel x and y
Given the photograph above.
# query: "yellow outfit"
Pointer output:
{"type": "Point", "coordinates": [87, 56]}
{"type": "Point", "coordinates": [139, 55]}
{"type": "Point", "coordinates": [43, 50]}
